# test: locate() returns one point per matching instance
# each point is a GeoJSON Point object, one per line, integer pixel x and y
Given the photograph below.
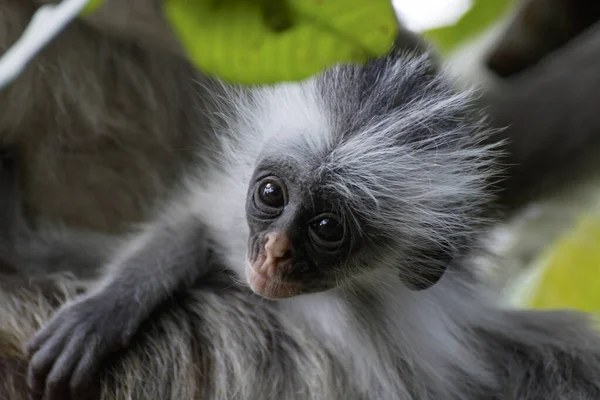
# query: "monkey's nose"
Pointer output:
{"type": "Point", "coordinates": [278, 246]}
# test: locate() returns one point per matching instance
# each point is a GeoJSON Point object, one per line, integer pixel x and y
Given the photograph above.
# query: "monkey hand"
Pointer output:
{"type": "Point", "coordinates": [68, 351]}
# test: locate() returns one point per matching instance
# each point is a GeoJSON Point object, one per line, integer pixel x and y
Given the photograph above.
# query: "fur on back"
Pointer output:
{"type": "Point", "coordinates": [103, 126]}
{"type": "Point", "coordinates": [220, 342]}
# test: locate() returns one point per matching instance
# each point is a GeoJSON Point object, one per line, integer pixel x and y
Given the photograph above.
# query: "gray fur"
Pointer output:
{"type": "Point", "coordinates": [219, 341]}
{"type": "Point", "coordinates": [44, 249]}
{"type": "Point", "coordinates": [536, 29]}
{"type": "Point", "coordinates": [552, 123]}
{"type": "Point", "coordinates": [370, 337]}
{"type": "Point", "coordinates": [104, 126]}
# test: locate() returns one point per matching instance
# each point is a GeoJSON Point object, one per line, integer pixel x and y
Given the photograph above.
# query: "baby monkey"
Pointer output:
{"type": "Point", "coordinates": [320, 181]}
{"type": "Point", "coordinates": [341, 198]}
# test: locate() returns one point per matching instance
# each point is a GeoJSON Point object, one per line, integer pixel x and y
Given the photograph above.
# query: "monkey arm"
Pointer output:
{"type": "Point", "coordinates": [552, 120]}
{"type": "Point", "coordinates": [215, 341]}
{"type": "Point", "coordinates": [173, 357]}
{"type": "Point", "coordinates": [169, 256]}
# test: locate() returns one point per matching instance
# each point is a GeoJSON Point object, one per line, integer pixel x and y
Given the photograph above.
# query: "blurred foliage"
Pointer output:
{"type": "Point", "coordinates": [571, 275]}
{"type": "Point", "coordinates": [476, 20]}
{"type": "Point", "coordinates": [265, 41]}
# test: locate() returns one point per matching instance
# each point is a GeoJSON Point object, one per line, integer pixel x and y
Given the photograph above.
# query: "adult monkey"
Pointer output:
{"type": "Point", "coordinates": [541, 35]}
{"type": "Point", "coordinates": [537, 32]}
{"type": "Point", "coordinates": [536, 29]}
{"type": "Point", "coordinates": [102, 118]}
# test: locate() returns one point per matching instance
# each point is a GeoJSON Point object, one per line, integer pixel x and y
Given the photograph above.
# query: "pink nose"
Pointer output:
{"type": "Point", "coordinates": [278, 250]}
{"type": "Point", "coordinates": [278, 246]}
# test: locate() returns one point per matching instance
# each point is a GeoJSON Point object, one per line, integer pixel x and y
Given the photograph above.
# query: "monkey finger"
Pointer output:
{"type": "Point", "coordinates": [47, 331]}
{"type": "Point", "coordinates": [84, 371]}
{"type": "Point", "coordinates": [38, 340]}
{"type": "Point", "coordinates": [42, 361]}
{"type": "Point", "coordinates": [57, 381]}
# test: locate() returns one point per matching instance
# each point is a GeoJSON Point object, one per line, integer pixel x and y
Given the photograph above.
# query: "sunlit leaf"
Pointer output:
{"type": "Point", "coordinates": [265, 41]}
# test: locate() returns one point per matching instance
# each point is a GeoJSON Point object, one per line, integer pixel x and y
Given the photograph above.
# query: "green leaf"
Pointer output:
{"type": "Point", "coordinates": [266, 41]}
{"type": "Point", "coordinates": [91, 6]}
{"type": "Point", "coordinates": [570, 277]}
{"type": "Point", "coordinates": [480, 16]}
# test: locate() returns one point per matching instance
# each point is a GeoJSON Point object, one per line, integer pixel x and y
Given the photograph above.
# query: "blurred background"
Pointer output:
{"type": "Point", "coordinates": [422, 15]}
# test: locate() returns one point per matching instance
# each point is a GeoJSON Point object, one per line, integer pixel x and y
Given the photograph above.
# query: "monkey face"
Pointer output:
{"type": "Point", "coordinates": [295, 246]}
{"type": "Point", "coordinates": [306, 238]}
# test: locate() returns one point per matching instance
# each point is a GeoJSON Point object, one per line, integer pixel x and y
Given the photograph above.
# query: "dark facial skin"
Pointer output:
{"type": "Point", "coordinates": [301, 242]}
{"type": "Point", "coordinates": [296, 242]}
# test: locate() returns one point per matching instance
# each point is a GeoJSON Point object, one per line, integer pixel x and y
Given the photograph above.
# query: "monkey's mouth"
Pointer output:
{"type": "Point", "coordinates": [271, 288]}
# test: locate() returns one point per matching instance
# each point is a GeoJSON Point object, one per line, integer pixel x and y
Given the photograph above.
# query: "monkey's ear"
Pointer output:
{"type": "Point", "coordinates": [428, 267]}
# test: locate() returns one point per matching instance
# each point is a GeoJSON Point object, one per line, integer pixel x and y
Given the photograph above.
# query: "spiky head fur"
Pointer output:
{"type": "Point", "coordinates": [390, 144]}
{"type": "Point", "coordinates": [399, 151]}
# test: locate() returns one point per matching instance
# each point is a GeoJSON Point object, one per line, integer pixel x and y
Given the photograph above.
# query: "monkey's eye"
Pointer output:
{"type": "Point", "coordinates": [270, 196]}
{"type": "Point", "coordinates": [327, 231]}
